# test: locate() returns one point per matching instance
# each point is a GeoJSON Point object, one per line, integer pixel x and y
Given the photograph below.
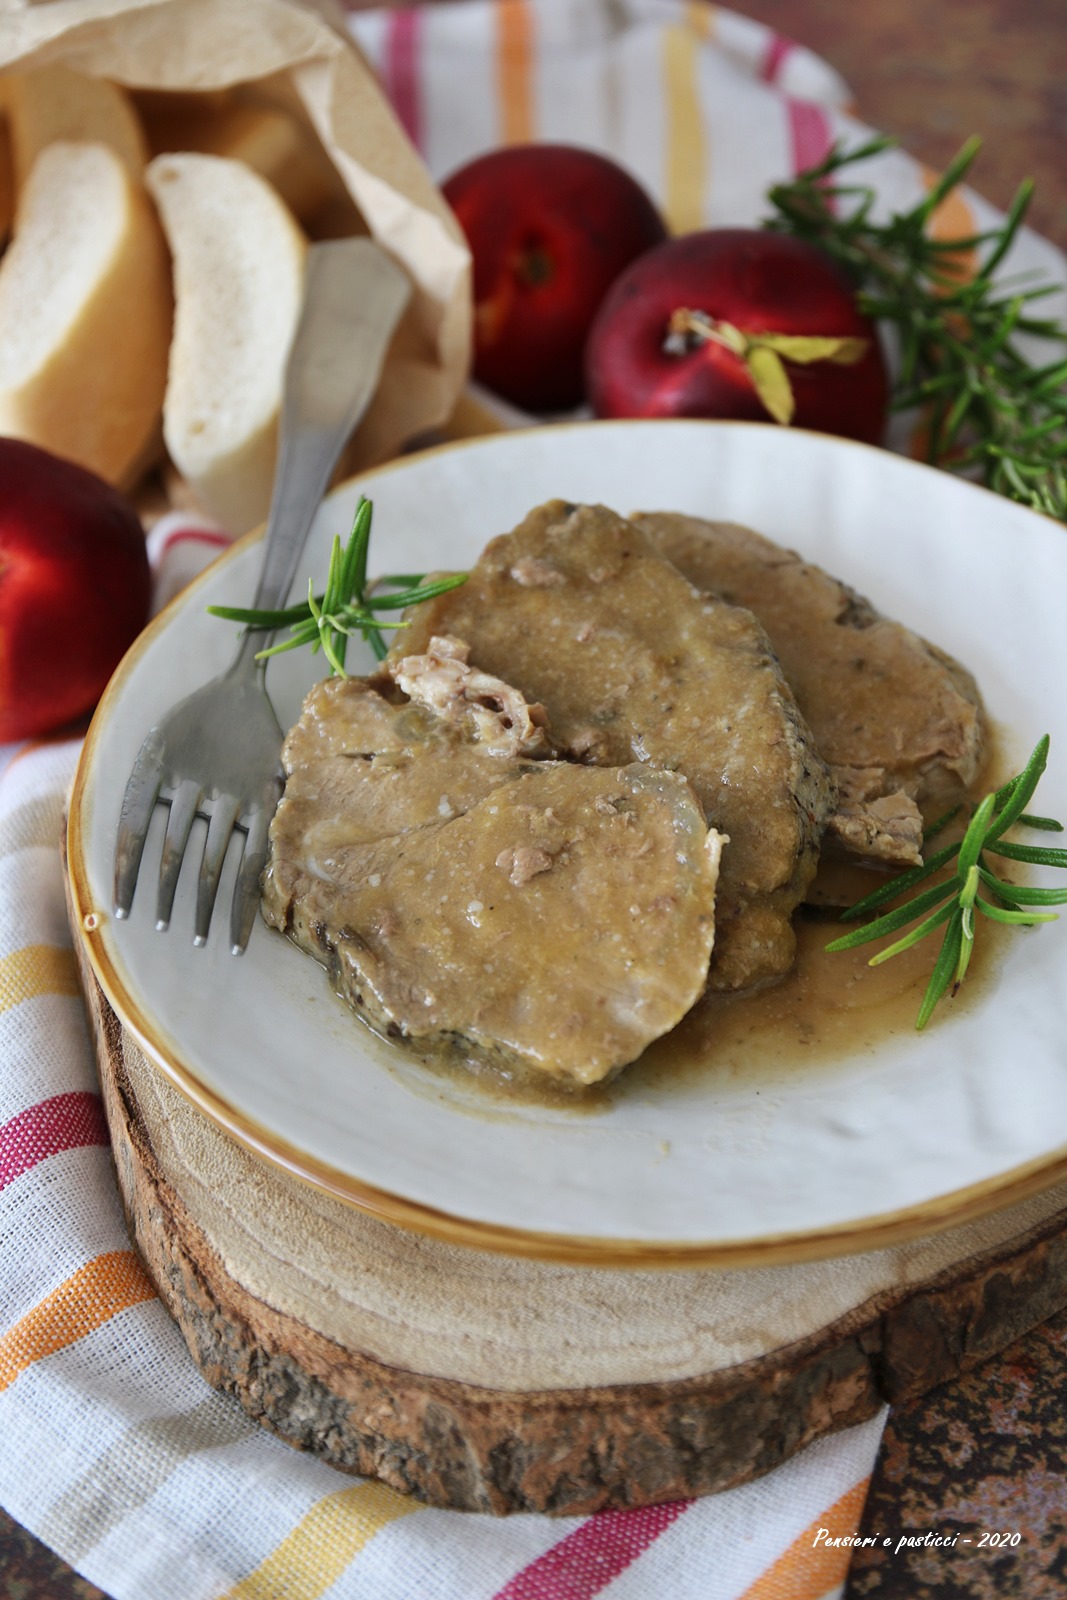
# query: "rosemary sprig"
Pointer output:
{"type": "Point", "coordinates": [348, 604]}
{"type": "Point", "coordinates": [951, 902]}
{"type": "Point", "coordinates": [988, 409]}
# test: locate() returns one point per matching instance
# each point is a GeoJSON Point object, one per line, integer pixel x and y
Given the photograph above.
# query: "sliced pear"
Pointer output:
{"type": "Point", "coordinates": [85, 313]}
{"type": "Point", "coordinates": [270, 140]}
{"type": "Point", "coordinates": [54, 104]}
{"type": "Point", "coordinates": [239, 261]}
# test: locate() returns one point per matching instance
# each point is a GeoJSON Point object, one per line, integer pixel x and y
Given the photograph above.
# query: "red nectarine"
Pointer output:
{"type": "Point", "coordinates": [550, 227]}
{"type": "Point", "coordinates": [74, 588]}
{"type": "Point", "coordinates": [736, 322]}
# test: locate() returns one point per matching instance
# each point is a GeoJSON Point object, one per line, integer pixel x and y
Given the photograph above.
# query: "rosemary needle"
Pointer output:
{"type": "Point", "coordinates": [951, 902]}
{"type": "Point", "coordinates": [347, 605]}
{"type": "Point", "coordinates": [987, 408]}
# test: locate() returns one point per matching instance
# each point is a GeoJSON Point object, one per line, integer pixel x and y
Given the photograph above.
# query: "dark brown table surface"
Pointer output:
{"type": "Point", "coordinates": [985, 1454]}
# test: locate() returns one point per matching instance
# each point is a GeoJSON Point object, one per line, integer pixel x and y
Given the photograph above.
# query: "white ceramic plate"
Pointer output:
{"type": "Point", "coordinates": [925, 1130]}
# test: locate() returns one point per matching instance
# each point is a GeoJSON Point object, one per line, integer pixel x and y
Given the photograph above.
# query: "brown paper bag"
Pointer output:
{"type": "Point", "coordinates": [297, 53]}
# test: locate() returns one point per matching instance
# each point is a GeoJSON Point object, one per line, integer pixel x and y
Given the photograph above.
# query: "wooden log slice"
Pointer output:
{"type": "Point", "coordinates": [479, 1382]}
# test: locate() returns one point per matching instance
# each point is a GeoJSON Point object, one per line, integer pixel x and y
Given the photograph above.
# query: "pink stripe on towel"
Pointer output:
{"type": "Point", "coordinates": [809, 131]}
{"type": "Point", "coordinates": [778, 49]}
{"type": "Point", "coordinates": [586, 1561]}
{"type": "Point", "coordinates": [401, 71]}
{"type": "Point", "coordinates": [65, 1122]}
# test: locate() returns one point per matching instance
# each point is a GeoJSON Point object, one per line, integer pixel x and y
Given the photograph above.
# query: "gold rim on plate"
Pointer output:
{"type": "Point", "coordinates": [872, 1232]}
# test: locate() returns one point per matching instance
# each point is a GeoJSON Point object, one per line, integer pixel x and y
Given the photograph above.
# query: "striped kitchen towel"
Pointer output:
{"type": "Point", "coordinates": [706, 108]}
{"type": "Point", "coordinates": [112, 1448]}
{"type": "Point", "coordinates": [115, 1452]}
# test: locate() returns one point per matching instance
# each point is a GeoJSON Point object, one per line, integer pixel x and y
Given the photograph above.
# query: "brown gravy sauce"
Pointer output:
{"type": "Point", "coordinates": [829, 1010]}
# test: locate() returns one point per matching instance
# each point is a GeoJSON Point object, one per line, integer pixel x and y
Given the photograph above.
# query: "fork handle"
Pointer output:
{"type": "Point", "coordinates": [354, 297]}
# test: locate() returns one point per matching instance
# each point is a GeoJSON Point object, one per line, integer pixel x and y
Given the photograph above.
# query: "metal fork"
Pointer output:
{"type": "Point", "coordinates": [217, 753]}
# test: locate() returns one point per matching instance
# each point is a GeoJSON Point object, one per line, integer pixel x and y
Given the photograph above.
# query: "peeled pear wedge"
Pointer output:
{"type": "Point", "coordinates": [239, 262]}
{"type": "Point", "coordinates": [53, 104]}
{"type": "Point", "coordinates": [270, 140]}
{"type": "Point", "coordinates": [85, 313]}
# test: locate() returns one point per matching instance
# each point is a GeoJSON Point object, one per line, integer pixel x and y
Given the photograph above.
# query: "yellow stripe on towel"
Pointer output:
{"type": "Point", "coordinates": [687, 158]}
{"type": "Point", "coordinates": [36, 969]}
{"type": "Point", "coordinates": [86, 1300]}
{"type": "Point", "coordinates": [312, 1558]}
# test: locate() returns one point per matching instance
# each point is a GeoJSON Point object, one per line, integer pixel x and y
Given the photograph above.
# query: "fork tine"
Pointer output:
{"type": "Point", "coordinates": [187, 797]}
{"type": "Point", "coordinates": [220, 827]}
{"type": "Point", "coordinates": [246, 889]}
{"type": "Point", "coordinates": [138, 803]}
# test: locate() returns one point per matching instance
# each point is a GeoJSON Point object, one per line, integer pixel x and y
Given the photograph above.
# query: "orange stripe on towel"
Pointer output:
{"type": "Point", "coordinates": [702, 18]}
{"type": "Point", "coordinates": [807, 1570]}
{"type": "Point", "coordinates": [514, 70]}
{"type": "Point", "coordinates": [63, 735]}
{"type": "Point", "coordinates": [953, 219]}
{"type": "Point", "coordinates": [86, 1300]}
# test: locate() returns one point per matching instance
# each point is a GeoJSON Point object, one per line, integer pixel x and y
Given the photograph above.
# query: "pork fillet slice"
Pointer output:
{"type": "Point", "coordinates": [899, 722]}
{"type": "Point", "coordinates": [536, 914]}
{"type": "Point", "coordinates": [631, 663]}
